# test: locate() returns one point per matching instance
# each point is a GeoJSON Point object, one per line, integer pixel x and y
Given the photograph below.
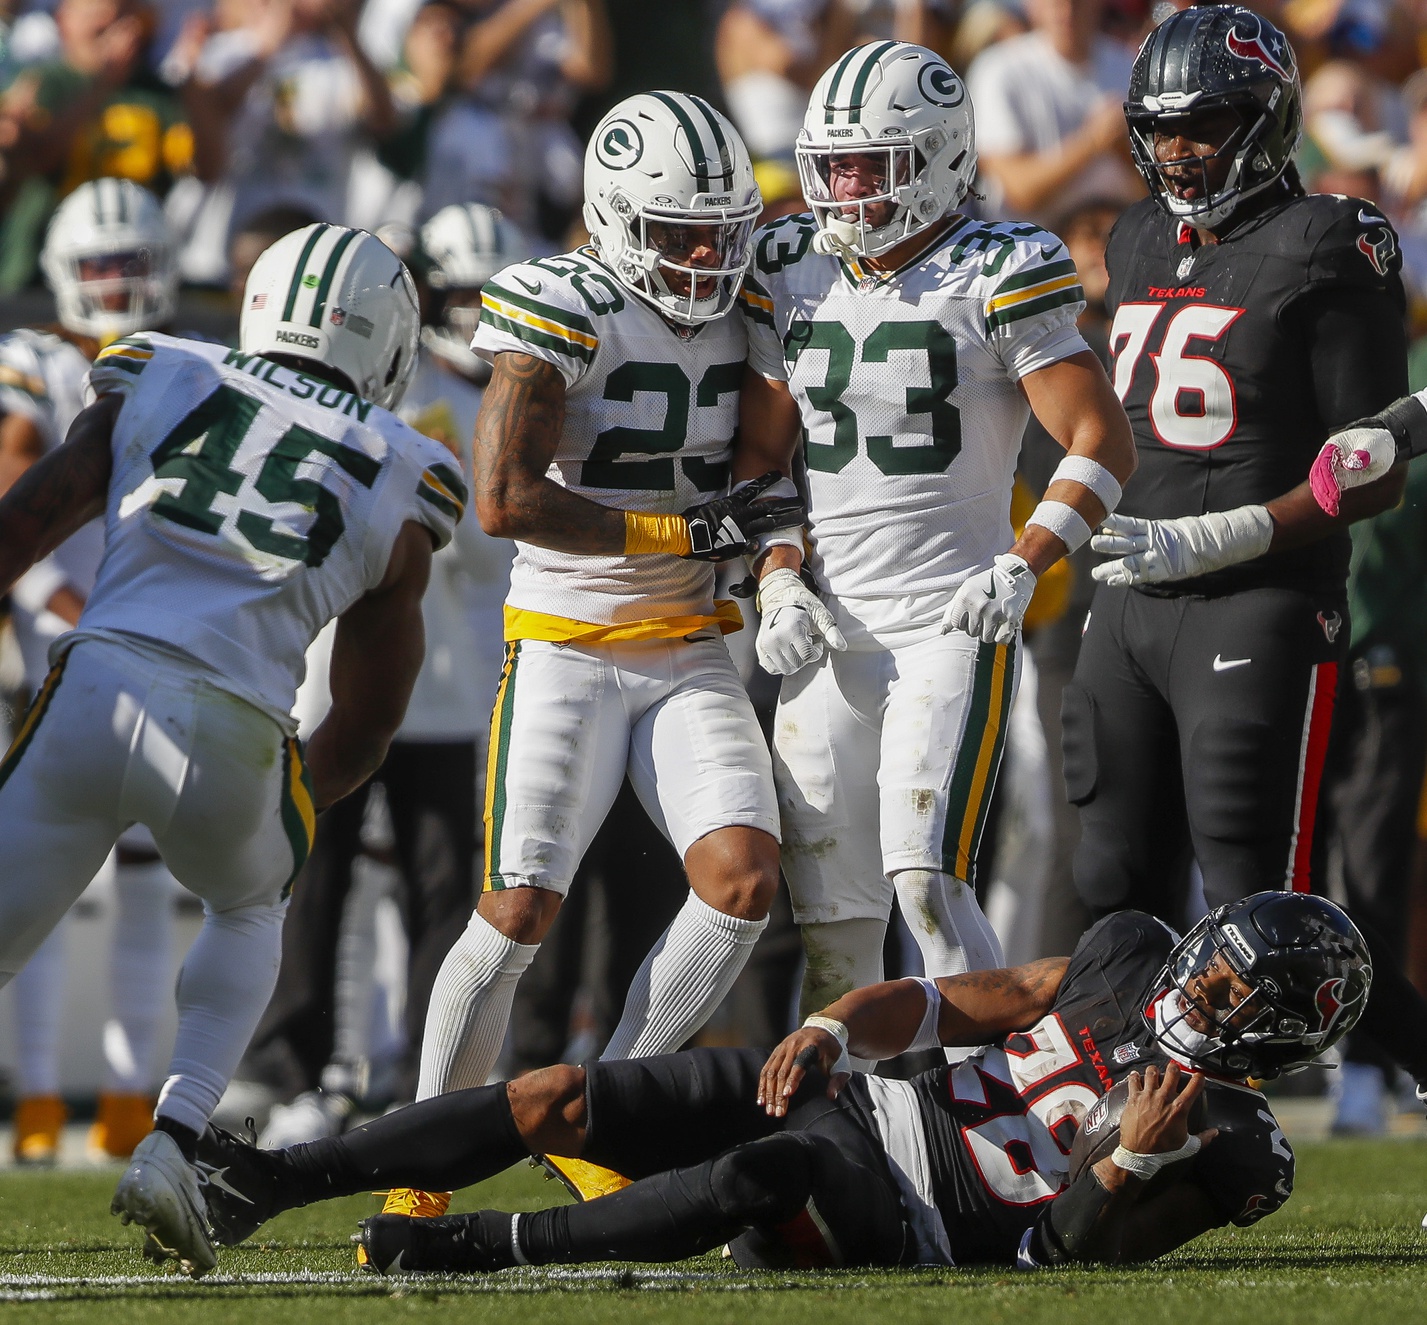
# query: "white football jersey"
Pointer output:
{"type": "Point", "coordinates": [249, 505]}
{"type": "Point", "coordinates": [650, 413]}
{"type": "Point", "coordinates": [906, 383]}
{"type": "Point", "coordinates": [42, 379]}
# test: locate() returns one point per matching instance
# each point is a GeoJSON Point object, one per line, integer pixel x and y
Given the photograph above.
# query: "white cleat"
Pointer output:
{"type": "Point", "coordinates": [159, 1191]}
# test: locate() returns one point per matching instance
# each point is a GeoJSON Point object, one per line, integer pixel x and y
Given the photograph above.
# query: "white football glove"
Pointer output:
{"type": "Point", "coordinates": [796, 625]}
{"type": "Point", "coordinates": [989, 606]}
{"type": "Point", "coordinates": [1350, 459]}
{"type": "Point", "coordinates": [1151, 551]}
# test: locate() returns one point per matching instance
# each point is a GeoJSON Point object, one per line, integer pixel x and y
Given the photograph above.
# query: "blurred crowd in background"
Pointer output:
{"type": "Point", "coordinates": [251, 118]}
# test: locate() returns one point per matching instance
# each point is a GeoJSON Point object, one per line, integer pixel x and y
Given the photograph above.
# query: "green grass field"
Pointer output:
{"type": "Point", "coordinates": [1349, 1247]}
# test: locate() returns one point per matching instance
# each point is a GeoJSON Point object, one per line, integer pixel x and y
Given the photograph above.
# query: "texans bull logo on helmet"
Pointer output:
{"type": "Point", "coordinates": [1328, 999]}
{"type": "Point", "coordinates": [1247, 40]}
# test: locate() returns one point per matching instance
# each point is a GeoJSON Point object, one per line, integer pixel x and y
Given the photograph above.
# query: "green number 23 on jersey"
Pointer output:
{"type": "Point", "coordinates": [931, 338]}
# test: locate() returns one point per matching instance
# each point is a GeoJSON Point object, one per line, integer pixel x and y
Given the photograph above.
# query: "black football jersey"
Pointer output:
{"type": "Point", "coordinates": [999, 1126]}
{"type": "Point", "coordinates": [1212, 363]}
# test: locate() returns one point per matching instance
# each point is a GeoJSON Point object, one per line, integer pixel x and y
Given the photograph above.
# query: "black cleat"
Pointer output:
{"type": "Point", "coordinates": [243, 1186]}
{"type": "Point", "coordinates": [452, 1244]}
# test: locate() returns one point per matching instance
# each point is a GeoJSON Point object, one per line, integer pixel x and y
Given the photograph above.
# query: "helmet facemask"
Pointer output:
{"type": "Point", "coordinates": [1224, 1005]}
{"type": "Point", "coordinates": [661, 243]}
{"type": "Point", "coordinates": [1252, 169]}
{"type": "Point", "coordinates": [108, 294]}
{"type": "Point", "coordinates": [449, 337]}
{"type": "Point", "coordinates": [844, 229]}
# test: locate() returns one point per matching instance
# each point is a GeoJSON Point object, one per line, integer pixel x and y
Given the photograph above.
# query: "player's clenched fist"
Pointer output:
{"type": "Point", "coordinates": [725, 527]}
{"type": "Point", "coordinates": [991, 604]}
{"type": "Point", "coordinates": [796, 627]}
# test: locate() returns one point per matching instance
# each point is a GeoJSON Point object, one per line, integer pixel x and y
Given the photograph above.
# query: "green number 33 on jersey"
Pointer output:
{"type": "Point", "coordinates": [933, 340]}
{"type": "Point", "coordinates": [200, 449]}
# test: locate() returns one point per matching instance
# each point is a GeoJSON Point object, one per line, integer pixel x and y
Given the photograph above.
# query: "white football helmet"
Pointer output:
{"type": "Point", "coordinates": [896, 100]}
{"type": "Point", "coordinates": [339, 297]}
{"type": "Point", "coordinates": [667, 176]}
{"type": "Point", "coordinates": [110, 259]}
{"type": "Point", "coordinates": [464, 245]}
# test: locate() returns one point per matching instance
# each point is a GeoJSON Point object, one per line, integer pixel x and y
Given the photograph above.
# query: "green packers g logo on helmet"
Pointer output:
{"type": "Point", "coordinates": [940, 86]}
{"type": "Point", "coordinates": [620, 145]}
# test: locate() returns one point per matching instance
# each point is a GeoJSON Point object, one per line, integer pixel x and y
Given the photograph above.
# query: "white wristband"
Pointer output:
{"type": "Point", "coordinates": [927, 1036]}
{"type": "Point", "coordinates": [1093, 475]}
{"type": "Point", "coordinates": [1146, 1166]}
{"type": "Point", "coordinates": [1065, 522]}
{"type": "Point", "coordinates": [838, 1031]}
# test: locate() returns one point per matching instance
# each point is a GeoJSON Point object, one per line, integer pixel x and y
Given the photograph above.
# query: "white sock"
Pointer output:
{"type": "Point", "coordinates": [683, 979]}
{"type": "Point", "coordinates": [470, 1008]}
{"type": "Point", "coordinates": [842, 955]}
{"type": "Point", "coordinates": [38, 994]}
{"type": "Point", "coordinates": [947, 923]}
{"type": "Point", "coordinates": [139, 955]}
{"type": "Point", "coordinates": [226, 981]}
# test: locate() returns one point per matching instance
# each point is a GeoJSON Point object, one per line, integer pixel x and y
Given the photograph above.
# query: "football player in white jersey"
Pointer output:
{"type": "Point", "coordinates": [611, 409]}
{"type": "Point", "coordinates": [109, 258]}
{"type": "Point", "coordinates": [248, 496]}
{"type": "Point", "coordinates": [908, 342]}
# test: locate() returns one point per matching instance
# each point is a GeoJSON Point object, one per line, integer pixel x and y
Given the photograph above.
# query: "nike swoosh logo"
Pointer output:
{"type": "Point", "coordinates": [533, 288]}
{"type": "Point", "coordinates": [1224, 664]}
{"type": "Point", "coordinates": [214, 1178]}
{"type": "Point", "coordinates": [1048, 253]}
{"type": "Point", "coordinates": [1368, 219]}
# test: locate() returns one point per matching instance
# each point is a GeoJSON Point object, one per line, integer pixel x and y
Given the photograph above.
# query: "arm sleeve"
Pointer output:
{"type": "Point", "coordinates": [527, 310]}
{"type": "Point", "coordinates": [1032, 310]}
{"type": "Point", "coordinates": [1357, 345]}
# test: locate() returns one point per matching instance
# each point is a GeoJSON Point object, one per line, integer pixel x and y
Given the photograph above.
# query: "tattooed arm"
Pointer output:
{"type": "Point", "coordinates": [882, 1020]}
{"type": "Point", "coordinates": [58, 493]}
{"type": "Point", "coordinates": [517, 431]}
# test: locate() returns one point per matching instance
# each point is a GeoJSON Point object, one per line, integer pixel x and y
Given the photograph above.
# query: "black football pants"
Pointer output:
{"type": "Point", "coordinates": [1199, 727]}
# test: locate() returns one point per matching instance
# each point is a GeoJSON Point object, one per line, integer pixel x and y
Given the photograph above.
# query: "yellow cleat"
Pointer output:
{"type": "Point", "coordinates": [413, 1203]}
{"type": "Point", "coordinates": [584, 1181]}
{"type": "Point", "coordinates": [120, 1123]}
{"type": "Point", "coordinates": [39, 1120]}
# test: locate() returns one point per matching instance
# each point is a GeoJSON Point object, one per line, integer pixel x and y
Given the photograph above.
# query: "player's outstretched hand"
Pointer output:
{"type": "Point", "coordinates": [724, 527]}
{"type": "Point", "coordinates": [1152, 551]}
{"type": "Point", "coordinates": [1156, 1116]}
{"type": "Point", "coordinates": [1350, 459]}
{"type": "Point", "coordinates": [796, 627]}
{"type": "Point", "coordinates": [990, 605]}
{"type": "Point", "coordinates": [788, 1064]}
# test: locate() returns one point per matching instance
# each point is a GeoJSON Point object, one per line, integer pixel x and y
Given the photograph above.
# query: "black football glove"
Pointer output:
{"type": "Point", "coordinates": [723, 528]}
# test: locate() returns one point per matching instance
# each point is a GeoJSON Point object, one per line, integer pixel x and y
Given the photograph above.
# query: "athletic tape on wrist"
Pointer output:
{"type": "Point", "coordinates": [1146, 1166]}
{"type": "Point", "coordinates": [1406, 420]}
{"type": "Point", "coordinates": [1093, 475]}
{"type": "Point", "coordinates": [1065, 522]}
{"type": "Point", "coordinates": [927, 1036]}
{"type": "Point", "coordinates": [646, 533]}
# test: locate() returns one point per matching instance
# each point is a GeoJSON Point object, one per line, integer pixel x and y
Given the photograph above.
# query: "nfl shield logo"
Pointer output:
{"type": "Point", "coordinates": [1125, 1053]}
{"type": "Point", "coordinates": [867, 283]}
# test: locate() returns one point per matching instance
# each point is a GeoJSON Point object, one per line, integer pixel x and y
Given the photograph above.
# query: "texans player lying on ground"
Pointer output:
{"type": "Point", "coordinates": [795, 1163]}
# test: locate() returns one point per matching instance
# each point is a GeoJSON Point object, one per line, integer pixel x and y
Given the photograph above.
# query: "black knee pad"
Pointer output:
{"type": "Point", "coordinates": [1241, 780]}
{"type": "Point", "coordinates": [764, 1182]}
{"type": "Point", "coordinates": [1101, 869]}
{"type": "Point", "coordinates": [1077, 738]}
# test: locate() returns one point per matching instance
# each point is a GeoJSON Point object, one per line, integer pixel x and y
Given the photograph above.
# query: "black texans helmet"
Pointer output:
{"type": "Point", "coordinates": [1208, 58]}
{"type": "Point", "coordinates": [1310, 971]}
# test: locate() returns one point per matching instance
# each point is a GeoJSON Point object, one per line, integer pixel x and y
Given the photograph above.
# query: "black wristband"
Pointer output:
{"type": "Point", "coordinates": [1406, 420]}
